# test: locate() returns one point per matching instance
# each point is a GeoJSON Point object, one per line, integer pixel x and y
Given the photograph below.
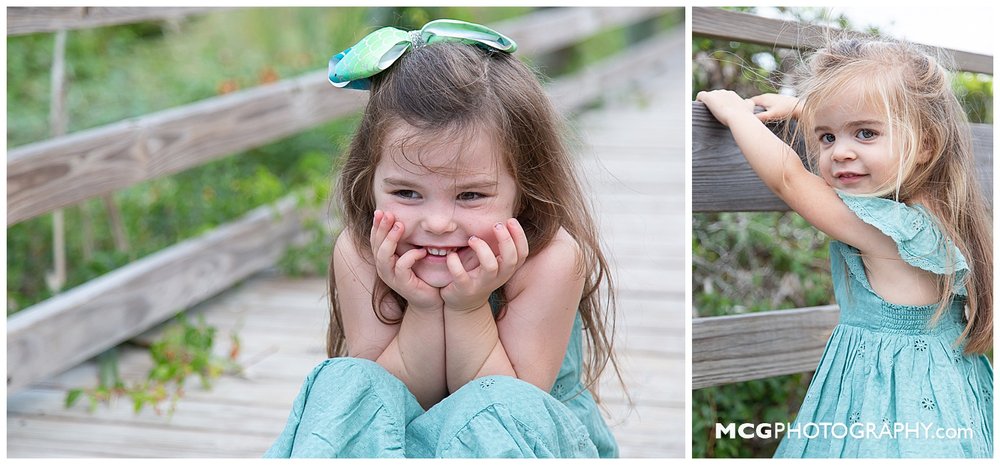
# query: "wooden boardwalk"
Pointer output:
{"type": "Point", "coordinates": [633, 158]}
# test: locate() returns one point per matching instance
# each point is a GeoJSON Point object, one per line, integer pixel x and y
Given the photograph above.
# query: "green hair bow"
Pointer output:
{"type": "Point", "coordinates": [380, 49]}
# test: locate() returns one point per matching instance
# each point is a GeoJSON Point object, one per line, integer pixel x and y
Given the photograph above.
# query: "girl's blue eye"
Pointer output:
{"type": "Point", "coordinates": [406, 194]}
{"type": "Point", "coordinates": [866, 134]}
{"type": "Point", "coordinates": [470, 196]}
{"type": "Point", "coordinates": [827, 138]}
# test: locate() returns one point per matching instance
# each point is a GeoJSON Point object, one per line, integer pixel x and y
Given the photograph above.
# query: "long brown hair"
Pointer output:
{"type": "Point", "coordinates": [928, 128]}
{"type": "Point", "coordinates": [447, 88]}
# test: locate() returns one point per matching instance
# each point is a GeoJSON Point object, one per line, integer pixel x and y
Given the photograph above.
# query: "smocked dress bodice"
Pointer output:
{"type": "Point", "coordinates": [892, 382]}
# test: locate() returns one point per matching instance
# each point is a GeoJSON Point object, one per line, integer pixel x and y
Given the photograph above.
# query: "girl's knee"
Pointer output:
{"type": "Point", "coordinates": [506, 417]}
{"type": "Point", "coordinates": [481, 393]}
{"type": "Point", "coordinates": [497, 389]}
{"type": "Point", "coordinates": [347, 383]}
{"type": "Point", "coordinates": [348, 371]}
{"type": "Point", "coordinates": [345, 398]}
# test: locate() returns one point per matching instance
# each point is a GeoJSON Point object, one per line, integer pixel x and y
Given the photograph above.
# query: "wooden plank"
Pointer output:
{"type": "Point", "coordinates": [130, 440]}
{"type": "Point", "coordinates": [71, 327]}
{"type": "Point", "coordinates": [572, 92]}
{"type": "Point", "coordinates": [722, 180]}
{"type": "Point", "coordinates": [743, 27]}
{"type": "Point", "coordinates": [551, 29]}
{"type": "Point", "coordinates": [65, 170]}
{"type": "Point", "coordinates": [27, 20]}
{"type": "Point", "coordinates": [47, 175]}
{"type": "Point", "coordinates": [191, 413]}
{"type": "Point", "coordinates": [729, 349]}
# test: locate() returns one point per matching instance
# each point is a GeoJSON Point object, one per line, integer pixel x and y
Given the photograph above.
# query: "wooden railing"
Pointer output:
{"type": "Point", "coordinates": [730, 349]}
{"type": "Point", "coordinates": [27, 20]}
{"type": "Point", "coordinates": [716, 23]}
{"type": "Point", "coordinates": [73, 326]}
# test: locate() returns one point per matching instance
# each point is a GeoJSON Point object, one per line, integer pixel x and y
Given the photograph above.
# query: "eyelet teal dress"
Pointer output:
{"type": "Point", "coordinates": [351, 407]}
{"type": "Point", "coordinates": [890, 384]}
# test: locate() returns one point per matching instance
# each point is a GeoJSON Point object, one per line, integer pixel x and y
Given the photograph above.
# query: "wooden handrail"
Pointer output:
{"type": "Point", "coordinates": [27, 20]}
{"type": "Point", "coordinates": [731, 25]}
{"type": "Point", "coordinates": [71, 327]}
{"type": "Point", "coordinates": [722, 180]}
{"type": "Point", "coordinates": [44, 176]}
{"type": "Point", "coordinates": [730, 349]}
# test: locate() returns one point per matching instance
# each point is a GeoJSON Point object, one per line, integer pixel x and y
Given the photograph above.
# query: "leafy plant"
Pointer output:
{"type": "Point", "coordinates": [183, 350]}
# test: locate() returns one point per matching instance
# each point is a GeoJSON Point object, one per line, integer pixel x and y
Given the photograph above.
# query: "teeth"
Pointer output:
{"type": "Point", "coordinates": [438, 252]}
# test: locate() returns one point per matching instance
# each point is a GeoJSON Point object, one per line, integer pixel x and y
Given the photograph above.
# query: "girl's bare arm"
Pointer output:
{"type": "Point", "coordinates": [412, 350]}
{"type": "Point", "coordinates": [544, 301]}
{"type": "Point", "coordinates": [779, 167]}
{"type": "Point", "coordinates": [529, 341]}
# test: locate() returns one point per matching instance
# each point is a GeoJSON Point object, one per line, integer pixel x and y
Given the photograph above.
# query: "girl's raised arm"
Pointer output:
{"type": "Point", "coordinates": [781, 170]}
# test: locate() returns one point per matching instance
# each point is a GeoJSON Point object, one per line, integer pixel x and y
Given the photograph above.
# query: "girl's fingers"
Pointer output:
{"type": "Point", "coordinates": [387, 248]}
{"type": "Point", "coordinates": [458, 273]}
{"type": "Point", "coordinates": [376, 219]}
{"type": "Point", "coordinates": [766, 116]}
{"type": "Point", "coordinates": [715, 94]}
{"type": "Point", "coordinates": [405, 262]}
{"type": "Point", "coordinates": [520, 239]}
{"type": "Point", "coordinates": [508, 250]}
{"type": "Point", "coordinates": [487, 261]}
{"type": "Point", "coordinates": [776, 107]}
{"type": "Point", "coordinates": [380, 229]}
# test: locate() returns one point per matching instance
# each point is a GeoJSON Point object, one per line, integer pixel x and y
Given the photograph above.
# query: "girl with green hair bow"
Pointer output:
{"type": "Point", "coordinates": [469, 273]}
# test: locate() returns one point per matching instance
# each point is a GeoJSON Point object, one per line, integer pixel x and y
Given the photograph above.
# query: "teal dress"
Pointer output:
{"type": "Point", "coordinates": [890, 383]}
{"type": "Point", "coordinates": [351, 407]}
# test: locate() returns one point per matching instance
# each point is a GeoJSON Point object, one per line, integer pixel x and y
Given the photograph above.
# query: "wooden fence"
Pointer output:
{"type": "Point", "coordinates": [731, 349]}
{"type": "Point", "coordinates": [41, 177]}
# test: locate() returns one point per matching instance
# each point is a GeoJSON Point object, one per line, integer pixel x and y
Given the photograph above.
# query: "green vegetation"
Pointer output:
{"type": "Point", "coordinates": [184, 349]}
{"type": "Point", "coordinates": [729, 252]}
{"type": "Point", "coordinates": [748, 262]}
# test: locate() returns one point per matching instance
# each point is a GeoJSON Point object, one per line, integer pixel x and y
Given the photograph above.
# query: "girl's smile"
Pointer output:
{"type": "Point", "coordinates": [444, 188]}
{"type": "Point", "coordinates": [849, 178]}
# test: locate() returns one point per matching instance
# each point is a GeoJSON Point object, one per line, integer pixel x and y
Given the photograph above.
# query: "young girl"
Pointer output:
{"type": "Point", "coordinates": [903, 374]}
{"type": "Point", "coordinates": [468, 270]}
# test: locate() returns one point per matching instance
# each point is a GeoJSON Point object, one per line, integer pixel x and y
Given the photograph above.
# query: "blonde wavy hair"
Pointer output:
{"type": "Point", "coordinates": [911, 86]}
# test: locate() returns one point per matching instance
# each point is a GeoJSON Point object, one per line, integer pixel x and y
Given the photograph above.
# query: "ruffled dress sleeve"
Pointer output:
{"type": "Point", "coordinates": [919, 240]}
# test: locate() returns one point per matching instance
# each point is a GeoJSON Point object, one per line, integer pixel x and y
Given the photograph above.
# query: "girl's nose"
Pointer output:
{"type": "Point", "coordinates": [439, 221]}
{"type": "Point", "coordinates": [842, 152]}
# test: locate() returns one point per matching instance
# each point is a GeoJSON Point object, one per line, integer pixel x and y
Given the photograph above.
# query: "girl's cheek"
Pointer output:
{"type": "Point", "coordinates": [381, 203]}
{"type": "Point", "coordinates": [490, 236]}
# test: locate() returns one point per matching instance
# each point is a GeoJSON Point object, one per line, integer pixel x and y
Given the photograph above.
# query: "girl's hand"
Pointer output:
{"type": "Point", "coordinates": [397, 271]}
{"type": "Point", "coordinates": [777, 107]}
{"type": "Point", "coordinates": [470, 290]}
{"type": "Point", "coordinates": [725, 104]}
